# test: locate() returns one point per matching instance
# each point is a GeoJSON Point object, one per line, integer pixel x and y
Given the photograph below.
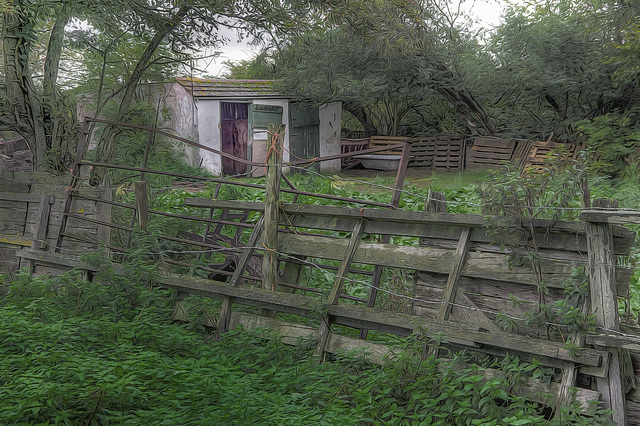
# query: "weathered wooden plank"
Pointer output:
{"type": "Point", "coordinates": [604, 306]}
{"type": "Point", "coordinates": [49, 270]}
{"type": "Point", "coordinates": [614, 217]}
{"type": "Point", "coordinates": [465, 311]}
{"type": "Point", "coordinates": [16, 240]}
{"type": "Point", "coordinates": [614, 341]}
{"type": "Point", "coordinates": [372, 318]}
{"type": "Point", "coordinates": [356, 315]}
{"type": "Point", "coordinates": [247, 252]}
{"type": "Point", "coordinates": [454, 276]}
{"type": "Point", "coordinates": [13, 228]}
{"type": "Point", "coordinates": [572, 240]}
{"type": "Point", "coordinates": [336, 289]}
{"type": "Point", "coordinates": [533, 388]}
{"type": "Point", "coordinates": [40, 234]}
{"type": "Point", "coordinates": [271, 210]}
{"type": "Point", "coordinates": [479, 265]}
{"type": "Point", "coordinates": [352, 247]}
{"type": "Point", "coordinates": [19, 197]}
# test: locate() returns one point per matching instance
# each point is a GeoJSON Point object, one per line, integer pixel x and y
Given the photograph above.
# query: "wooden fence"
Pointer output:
{"type": "Point", "coordinates": [463, 286]}
{"type": "Point", "coordinates": [456, 152]}
{"type": "Point", "coordinates": [333, 268]}
{"type": "Point", "coordinates": [31, 211]}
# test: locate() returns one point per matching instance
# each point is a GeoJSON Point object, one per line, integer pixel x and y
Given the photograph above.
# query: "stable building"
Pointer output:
{"type": "Point", "coordinates": [232, 116]}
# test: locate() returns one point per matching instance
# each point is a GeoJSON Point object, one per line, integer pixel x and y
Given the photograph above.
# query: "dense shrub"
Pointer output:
{"type": "Point", "coordinates": [107, 352]}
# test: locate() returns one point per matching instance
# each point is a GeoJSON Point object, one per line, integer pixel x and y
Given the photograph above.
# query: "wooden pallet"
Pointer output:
{"type": "Point", "coordinates": [489, 153]}
{"type": "Point", "coordinates": [382, 141]}
{"type": "Point", "coordinates": [422, 152]}
{"type": "Point", "coordinates": [449, 153]}
{"type": "Point", "coordinates": [540, 153]}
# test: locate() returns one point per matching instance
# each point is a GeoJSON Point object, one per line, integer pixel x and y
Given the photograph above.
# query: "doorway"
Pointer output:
{"type": "Point", "coordinates": [233, 135]}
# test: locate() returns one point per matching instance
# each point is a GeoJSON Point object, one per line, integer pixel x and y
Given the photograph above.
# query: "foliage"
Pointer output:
{"type": "Point", "coordinates": [397, 66]}
{"type": "Point", "coordinates": [514, 199]}
{"type": "Point", "coordinates": [105, 50]}
{"type": "Point", "coordinates": [107, 352]}
{"type": "Point", "coordinates": [613, 140]}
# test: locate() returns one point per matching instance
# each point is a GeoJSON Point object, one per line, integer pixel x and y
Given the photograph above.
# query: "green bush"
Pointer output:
{"type": "Point", "coordinates": [107, 352]}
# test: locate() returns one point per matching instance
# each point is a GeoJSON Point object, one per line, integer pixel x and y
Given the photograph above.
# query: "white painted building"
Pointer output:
{"type": "Point", "coordinates": [232, 116]}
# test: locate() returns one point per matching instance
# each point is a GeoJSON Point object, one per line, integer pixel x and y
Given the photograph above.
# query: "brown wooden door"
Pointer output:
{"type": "Point", "coordinates": [233, 134]}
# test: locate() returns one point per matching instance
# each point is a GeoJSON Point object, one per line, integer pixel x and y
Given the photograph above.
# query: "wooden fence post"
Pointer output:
{"type": "Point", "coordinates": [395, 202]}
{"type": "Point", "coordinates": [142, 204]}
{"type": "Point", "coordinates": [271, 209]}
{"type": "Point", "coordinates": [604, 306]}
{"type": "Point", "coordinates": [325, 328]}
{"type": "Point", "coordinates": [436, 203]}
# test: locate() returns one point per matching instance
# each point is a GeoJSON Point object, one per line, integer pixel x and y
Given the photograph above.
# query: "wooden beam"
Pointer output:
{"type": "Point", "coordinates": [604, 306]}
{"type": "Point", "coordinates": [247, 252]}
{"type": "Point", "coordinates": [271, 209]}
{"type": "Point", "coordinates": [378, 221]}
{"type": "Point", "coordinates": [493, 266]}
{"type": "Point", "coordinates": [356, 316]}
{"type": "Point", "coordinates": [612, 217]}
{"type": "Point", "coordinates": [379, 354]}
{"type": "Point", "coordinates": [456, 271]}
{"type": "Point", "coordinates": [354, 243]}
{"type": "Point", "coordinates": [19, 197]}
{"type": "Point", "coordinates": [336, 289]}
{"type": "Point", "coordinates": [626, 341]}
{"type": "Point", "coordinates": [16, 240]}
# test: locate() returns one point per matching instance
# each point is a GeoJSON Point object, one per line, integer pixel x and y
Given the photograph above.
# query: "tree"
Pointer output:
{"type": "Point", "coordinates": [163, 30]}
{"type": "Point", "coordinates": [390, 63]}
{"type": "Point", "coordinates": [552, 68]}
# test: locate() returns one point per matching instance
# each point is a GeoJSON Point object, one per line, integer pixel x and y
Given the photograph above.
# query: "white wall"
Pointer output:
{"type": "Point", "coordinates": [330, 126]}
{"type": "Point", "coordinates": [209, 134]}
{"type": "Point", "coordinates": [183, 120]}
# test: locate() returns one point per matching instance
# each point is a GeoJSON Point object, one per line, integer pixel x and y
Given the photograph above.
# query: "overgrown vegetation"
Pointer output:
{"type": "Point", "coordinates": [107, 352]}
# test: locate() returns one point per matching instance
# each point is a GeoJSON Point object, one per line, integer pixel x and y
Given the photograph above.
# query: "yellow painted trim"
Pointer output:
{"type": "Point", "coordinates": [17, 240]}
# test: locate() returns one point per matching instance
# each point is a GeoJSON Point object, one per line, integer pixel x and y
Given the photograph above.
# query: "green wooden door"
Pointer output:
{"type": "Point", "coordinates": [304, 138]}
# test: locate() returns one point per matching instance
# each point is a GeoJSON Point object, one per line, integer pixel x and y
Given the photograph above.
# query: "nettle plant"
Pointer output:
{"type": "Point", "coordinates": [513, 199]}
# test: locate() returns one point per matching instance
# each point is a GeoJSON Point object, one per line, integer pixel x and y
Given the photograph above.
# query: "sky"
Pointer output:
{"type": "Point", "coordinates": [487, 11]}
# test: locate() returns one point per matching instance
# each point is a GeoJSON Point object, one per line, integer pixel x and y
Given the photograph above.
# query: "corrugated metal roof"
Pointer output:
{"type": "Point", "coordinates": [224, 88]}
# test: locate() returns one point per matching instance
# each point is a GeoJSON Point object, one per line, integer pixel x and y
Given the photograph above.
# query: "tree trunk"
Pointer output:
{"type": "Point", "coordinates": [59, 124]}
{"type": "Point", "coordinates": [108, 148]}
{"type": "Point", "coordinates": [463, 101]}
{"type": "Point", "coordinates": [23, 111]}
{"type": "Point", "coordinates": [362, 116]}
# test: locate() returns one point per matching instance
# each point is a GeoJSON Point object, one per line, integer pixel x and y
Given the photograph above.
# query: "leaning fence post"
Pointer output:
{"type": "Point", "coordinates": [604, 305]}
{"type": "Point", "coordinates": [271, 209]}
{"type": "Point", "coordinates": [142, 204]}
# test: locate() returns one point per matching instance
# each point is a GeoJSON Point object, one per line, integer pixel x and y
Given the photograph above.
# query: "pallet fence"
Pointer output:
{"type": "Point", "coordinates": [456, 152]}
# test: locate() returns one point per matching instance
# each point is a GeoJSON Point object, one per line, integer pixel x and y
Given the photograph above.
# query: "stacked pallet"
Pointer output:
{"type": "Point", "coordinates": [382, 141]}
{"type": "Point", "coordinates": [540, 152]}
{"type": "Point", "coordinates": [449, 153]}
{"type": "Point", "coordinates": [489, 153]}
{"type": "Point", "coordinates": [422, 152]}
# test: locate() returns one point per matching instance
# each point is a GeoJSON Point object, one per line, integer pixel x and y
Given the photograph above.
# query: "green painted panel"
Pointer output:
{"type": "Point", "coordinates": [304, 117]}
{"type": "Point", "coordinates": [263, 115]}
{"type": "Point", "coordinates": [304, 138]}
